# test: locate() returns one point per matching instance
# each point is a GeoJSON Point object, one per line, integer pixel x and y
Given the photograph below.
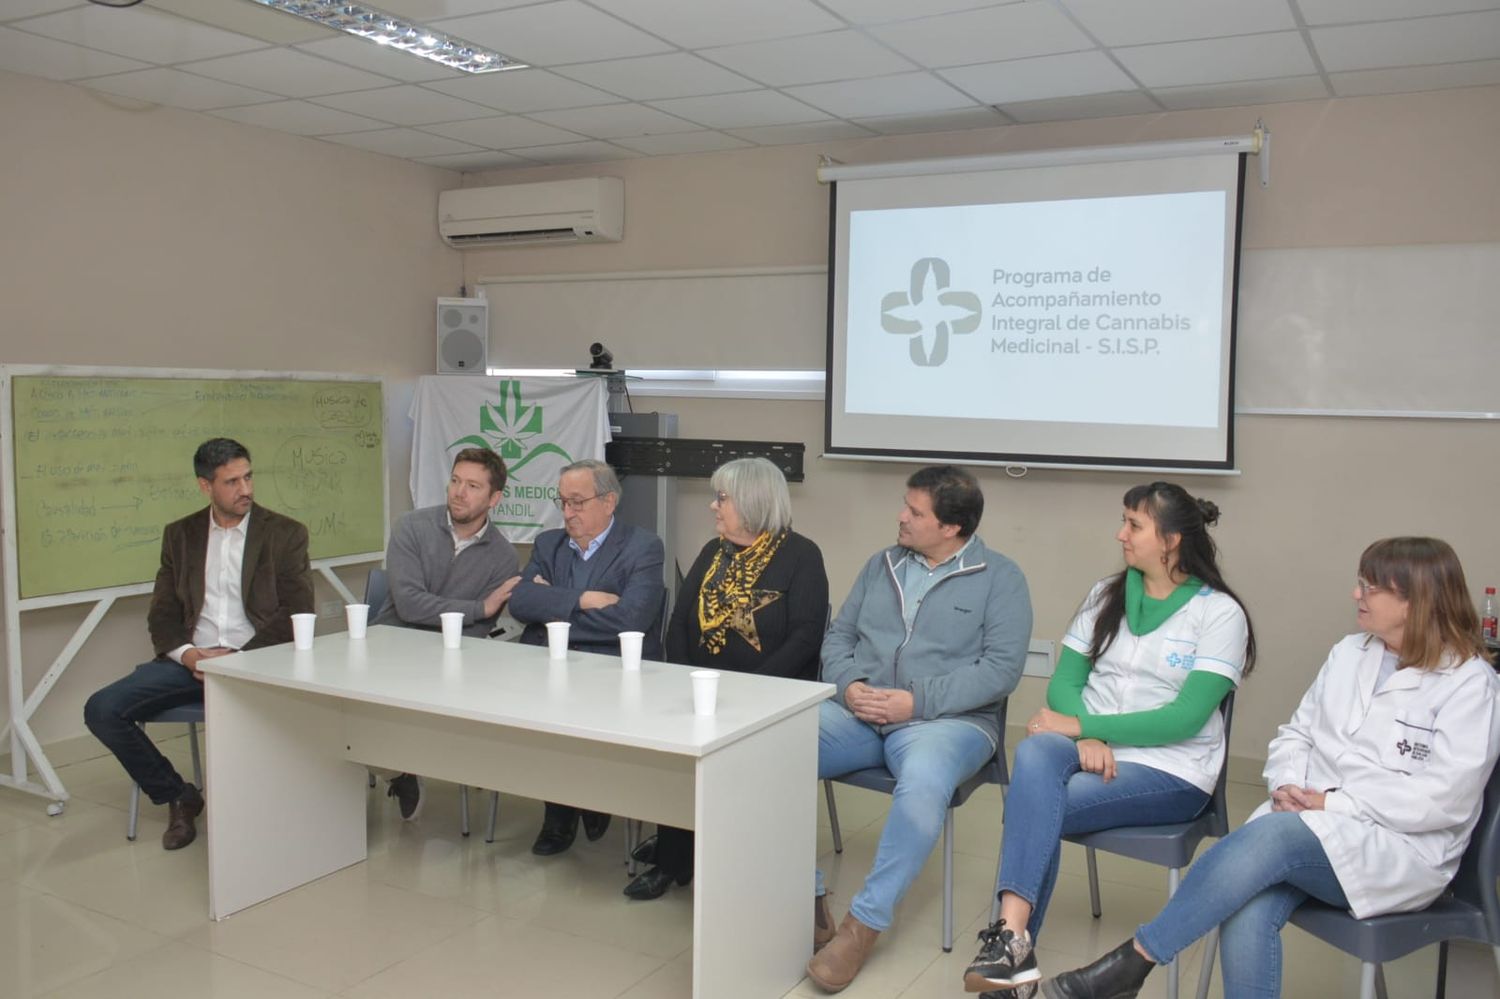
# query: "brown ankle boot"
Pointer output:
{"type": "Point", "coordinates": [835, 966]}
{"type": "Point", "coordinates": [180, 815]}
{"type": "Point", "coordinates": [822, 923]}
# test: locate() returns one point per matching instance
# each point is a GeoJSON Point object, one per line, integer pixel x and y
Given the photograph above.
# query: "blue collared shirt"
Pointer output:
{"type": "Point", "coordinates": [588, 553]}
{"type": "Point", "coordinates": [917, 579]}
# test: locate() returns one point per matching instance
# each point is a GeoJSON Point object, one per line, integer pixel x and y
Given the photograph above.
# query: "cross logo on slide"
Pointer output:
{"type": "Point", "coordinates": [928, 304]}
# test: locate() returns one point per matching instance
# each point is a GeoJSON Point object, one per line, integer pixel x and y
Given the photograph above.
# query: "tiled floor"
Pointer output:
{"type": "Point", "coordinates": [84, 913]}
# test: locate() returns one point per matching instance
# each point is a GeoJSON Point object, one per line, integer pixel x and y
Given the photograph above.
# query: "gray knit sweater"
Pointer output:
{"type": "Point", "coordinates": [426, 579]}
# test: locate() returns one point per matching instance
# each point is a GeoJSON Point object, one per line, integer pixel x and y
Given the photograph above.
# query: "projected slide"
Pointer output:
{"type": "Point", "coordinates": [1078, 314]}
{"type": "Point", "coordinates": [1038, 311]}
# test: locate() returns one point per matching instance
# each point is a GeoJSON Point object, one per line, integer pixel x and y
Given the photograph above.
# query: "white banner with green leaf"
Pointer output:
{"type": "Point", "coordinates": [537, 425]}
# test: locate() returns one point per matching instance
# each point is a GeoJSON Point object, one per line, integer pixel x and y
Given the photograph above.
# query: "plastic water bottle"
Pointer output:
{"type": "Point", "coordinates": [1488, 620]}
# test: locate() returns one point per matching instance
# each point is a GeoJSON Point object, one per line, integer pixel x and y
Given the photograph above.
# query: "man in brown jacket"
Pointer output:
{"type": "Point", "coordinates": [231, 578]}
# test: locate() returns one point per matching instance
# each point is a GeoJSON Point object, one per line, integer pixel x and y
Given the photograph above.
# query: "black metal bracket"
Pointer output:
{"type": "Point", "coordinates": [690, 458]}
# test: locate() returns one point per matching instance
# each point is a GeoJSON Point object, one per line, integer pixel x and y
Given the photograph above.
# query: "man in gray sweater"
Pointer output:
{"type": "Point", "coordinates": [450, 558]}
{"type": "Point", "coordinates": [932, 638]}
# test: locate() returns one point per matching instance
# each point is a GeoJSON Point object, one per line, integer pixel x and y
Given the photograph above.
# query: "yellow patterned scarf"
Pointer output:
{"type": "Point", "coordinates": [728, 598]}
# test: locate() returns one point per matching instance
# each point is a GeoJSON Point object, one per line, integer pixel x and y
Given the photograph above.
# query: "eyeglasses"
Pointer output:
{"type": "Point", "coordinates": [721, 497]}
{"type": "Point", "coordinates": [565, 504]}
{"type": "Point", "coordinates": [1363, 588]}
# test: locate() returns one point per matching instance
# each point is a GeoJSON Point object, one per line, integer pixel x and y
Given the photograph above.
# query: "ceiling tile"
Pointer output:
{"type": "Point", "coordinates": [905, 93]}
{"type": "Point", "coordinates": [1452, 38]}
{"type": "Point", "coordinates": [941, 121]}
{"type": "Point", "coordinates": [881, 11]}
{"type": "Point", "coordinates": [520, 90]}
{"type": "Point", "coordinates": [506, 132]}
{"type": "Point", "coordinates": [13, 9]}
{"type": "Point", "coordinates": [1219, 60]}
{"type": "Point", "coordinates": [299, 118]}
{"type": "Point", "coordinates": [140, 33]}
{"type": "Point", "coordinates": [1342, 11]}
{"type": "Point", "coordinates": [551, 33]}
{"type": "Point", "coordinates": [657, 77]}
{"type": "Point", "coordinates": [812, 131]}
{"type": "Point", "coordinates": [288, 72]}
{"type": "Point", "coordinates": [405, 105]}
{"type": "Point", "coordinates": [835, 55]}
{"type": "Point", "coordinates": [181, 90]}
{"type": "Point", "coordinates": [1041, 78]}
{"type": "Point", "coordinates": [1409, 78]}
{"type": "Point", "coordinates": [747, 110]}
{"type": "Point", "coordinates": [614, 121]}
{"type": "Point", "coordinates": [398, 65]}
{"type": "Point", "coordinates": [247, 19]}
{"type": "Point", "coordinates": [1144, 21]}
{"type": "Point", "coordinates": [682, 142]}
{"type": "Point", "coordinates": [404, 142]}
{"type": "Point", "coordinates": [23, 53]}
{"type": "Point", "coordinates": [577, 152]}
{"type": "Point", "coordinates": [1243, 94]}
{"type": "Point", "coordinates": [1094, 105]}
{"type": "Point", "coordinates": [700, 23]}
{"type": "Point", "coordinates": [427, 11]}
{"type": "Point", "coordinates": [488, 159]}
{"type": "Point", "coordinates": [986, 35]}
{"type": "Point", "coordinates": [1087, 106]}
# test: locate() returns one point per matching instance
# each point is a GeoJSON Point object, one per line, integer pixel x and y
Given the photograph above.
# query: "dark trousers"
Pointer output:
{"type": "Point", "coordinates": [674, 851]}
{"type": "Point", "coordinates": [113, 712]}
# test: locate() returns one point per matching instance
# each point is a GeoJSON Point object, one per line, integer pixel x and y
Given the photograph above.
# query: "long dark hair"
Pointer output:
{"type": "Point", "coordinates": [1174, 512]}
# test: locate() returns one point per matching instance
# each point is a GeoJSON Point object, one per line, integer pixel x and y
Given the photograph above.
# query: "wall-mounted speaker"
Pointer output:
{"type": "Point", "coordinates": [463, 336]}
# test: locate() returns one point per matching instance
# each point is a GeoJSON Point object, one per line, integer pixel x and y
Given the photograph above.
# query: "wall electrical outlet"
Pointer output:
{"type": "Point", "coordinates": [331, 608]}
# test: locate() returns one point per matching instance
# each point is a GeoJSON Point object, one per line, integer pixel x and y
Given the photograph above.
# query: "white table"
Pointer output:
{"type": "Point", "coordinates": [289, 735]}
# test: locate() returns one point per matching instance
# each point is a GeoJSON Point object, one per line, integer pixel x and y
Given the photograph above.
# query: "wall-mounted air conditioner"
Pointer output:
{"type": "Point", "coordinates": [589, 210]}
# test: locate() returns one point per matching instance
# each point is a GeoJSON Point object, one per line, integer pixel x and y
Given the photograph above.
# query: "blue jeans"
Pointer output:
{"type": "Point", "coordinates": [929, 760]}
{"type": "Point", "coordinates": [1250, 881]}
{"type": "Point", "coordinates": [1050, 796]}
{"type": "Point", "coordinates": [112, 713]}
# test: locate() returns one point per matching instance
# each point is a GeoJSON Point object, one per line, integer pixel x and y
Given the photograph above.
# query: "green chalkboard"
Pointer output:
{"type": "Point", "coordinates": [101, 464]}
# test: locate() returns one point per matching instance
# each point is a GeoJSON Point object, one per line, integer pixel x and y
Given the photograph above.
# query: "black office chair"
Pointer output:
{"type": "Point", "coordinates": [1172, 846]}
{"type": "Point", "coordinates": [377, 591]}
{"type": "Point", "coordinates": [1468, 910]}
{"type": "Point", "coordinates": [190, 715]}
{"type": "Point", "coordinates": [996, 771]}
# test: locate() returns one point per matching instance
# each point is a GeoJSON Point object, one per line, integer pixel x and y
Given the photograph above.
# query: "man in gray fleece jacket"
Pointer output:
{"type": "Point", "coordinates": [931, 640]}
{"type": "Point", "coordinates": [450, 558]}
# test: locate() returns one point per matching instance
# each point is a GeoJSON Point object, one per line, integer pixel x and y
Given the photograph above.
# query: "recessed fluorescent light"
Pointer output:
{"type": "Point", "coordinates": [394, 32]}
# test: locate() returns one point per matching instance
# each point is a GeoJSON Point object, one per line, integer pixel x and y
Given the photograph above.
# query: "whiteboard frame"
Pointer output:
{"type": "Point", "coordinates": [21, 706]}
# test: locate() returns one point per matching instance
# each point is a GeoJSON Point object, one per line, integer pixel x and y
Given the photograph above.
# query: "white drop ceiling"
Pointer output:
{"type": "Point", "coordinates": [611, 79]}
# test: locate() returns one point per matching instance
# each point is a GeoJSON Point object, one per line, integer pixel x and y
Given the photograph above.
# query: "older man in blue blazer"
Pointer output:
{"type": "Point", "coordinates": [602, 577]}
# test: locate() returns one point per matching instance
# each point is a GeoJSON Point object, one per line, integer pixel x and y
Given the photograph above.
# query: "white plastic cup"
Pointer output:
{"type": "Point", "coordinates": [557, 639]}
{"type": "Point", "coordinates": [302, 630]}
{"type": "Point", "coordinates": [453, 629]}
{"type": "Point", "coordinates": [630, 649]}
{"type": "Point", "coordinates": [358, 616]}
{"type": "Point", "coordinates": [705, 691]}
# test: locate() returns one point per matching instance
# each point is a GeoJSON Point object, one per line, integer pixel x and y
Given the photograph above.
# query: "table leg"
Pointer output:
{"type": "Point", "coordinates": [284, 805]}
{"type": "Point", "coordinates": [756, 843]}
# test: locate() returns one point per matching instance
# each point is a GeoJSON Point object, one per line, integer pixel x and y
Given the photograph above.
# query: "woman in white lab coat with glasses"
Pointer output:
{"type": "Point", "coordinates": [1376, 784]}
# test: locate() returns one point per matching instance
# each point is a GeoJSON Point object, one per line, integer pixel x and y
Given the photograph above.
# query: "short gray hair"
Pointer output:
{"type": "Point", "coordinates": [605, 480]}
{"type": "Point", "coordinates": [758, 491]}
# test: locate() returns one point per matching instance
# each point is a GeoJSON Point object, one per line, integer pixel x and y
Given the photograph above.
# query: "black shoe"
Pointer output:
{"type": "Point", "coordinates": [653, 884]}
{"type": "Point", "coordinates": [1005, 960]}
{"type": "Point", "coordinates": [1117, 975]}
{"type": "Point", "coordinates": [595, 824]}
{"type": "Point", "coordinates": [645, 853]}
{"type": "Point", "coordinates": [409, 792]}
{"type": "Point", "coordinates": [555, 837]}
{"type": "Point", "coordinates": [181, 828]}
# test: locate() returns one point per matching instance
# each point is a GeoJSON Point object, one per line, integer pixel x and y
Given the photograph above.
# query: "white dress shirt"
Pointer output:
{"type": "Point", "coordinates": [222, 621]}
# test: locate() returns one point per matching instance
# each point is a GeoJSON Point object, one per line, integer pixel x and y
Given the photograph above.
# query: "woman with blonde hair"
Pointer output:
{"type": "Point", "coordinates": [755, 601]}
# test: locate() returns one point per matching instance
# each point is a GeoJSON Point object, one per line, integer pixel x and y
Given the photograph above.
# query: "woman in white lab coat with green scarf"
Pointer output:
{"type": "Point", "coordinates": [1376, 784]}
